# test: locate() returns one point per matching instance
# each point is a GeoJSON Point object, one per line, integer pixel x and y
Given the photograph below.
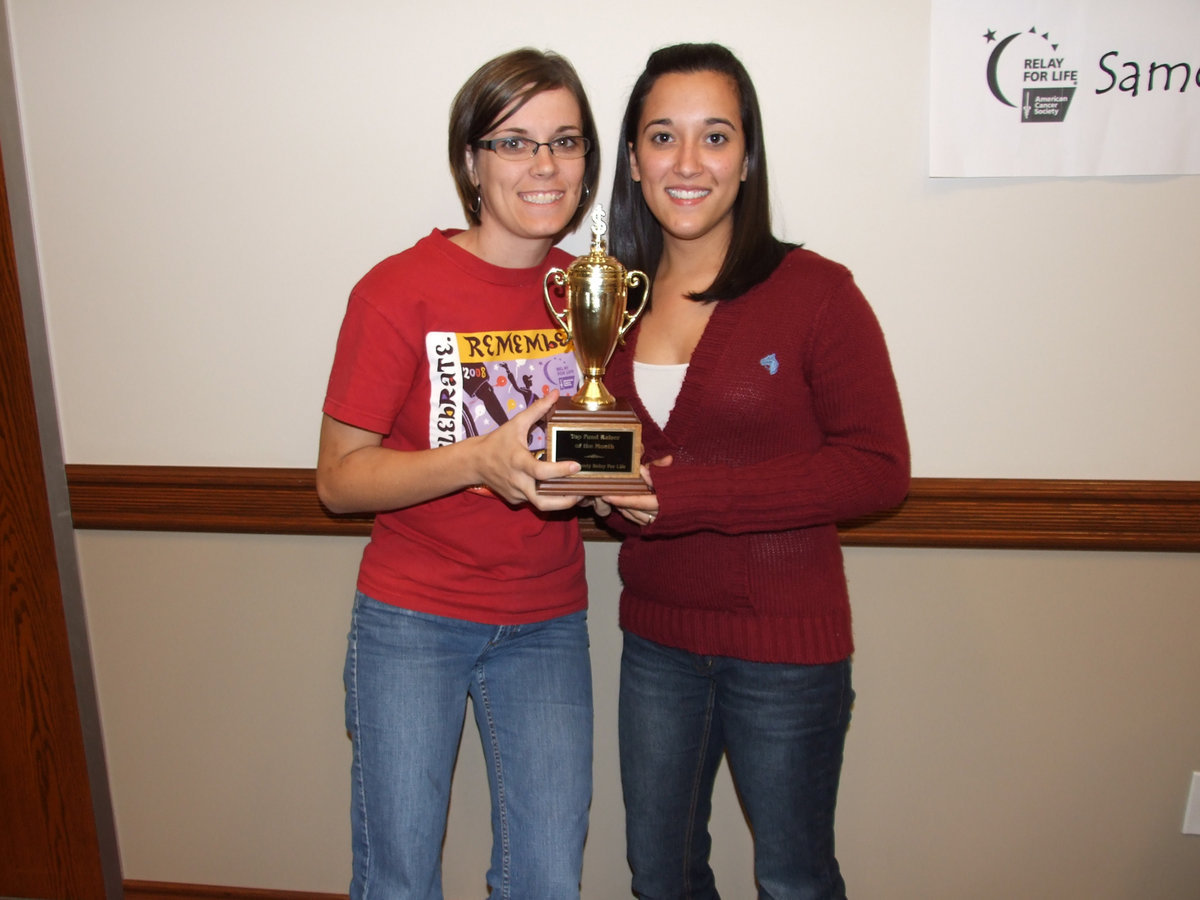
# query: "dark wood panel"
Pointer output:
{"type": "Point", "coordinates": [49, 846]}
{"type": "Point", "coordinates": [939, 512]}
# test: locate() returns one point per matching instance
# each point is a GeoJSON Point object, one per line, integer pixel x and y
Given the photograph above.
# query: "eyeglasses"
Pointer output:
{"type": "Point", "coordinates": [569, 146]}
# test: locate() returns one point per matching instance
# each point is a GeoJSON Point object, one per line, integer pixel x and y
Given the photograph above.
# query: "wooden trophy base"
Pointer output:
{"type": "Point", "coordinates": [607, 443]}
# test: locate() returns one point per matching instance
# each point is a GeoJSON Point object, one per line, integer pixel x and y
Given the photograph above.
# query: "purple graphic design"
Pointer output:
{"type": "Point", "coordinates": [498, 390]}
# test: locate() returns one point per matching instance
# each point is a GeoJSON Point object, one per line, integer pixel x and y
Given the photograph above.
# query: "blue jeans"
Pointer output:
{"type": "Point", "coordinates": [782, 729]}
{"type": "Point", "coordinates": [408, 676]}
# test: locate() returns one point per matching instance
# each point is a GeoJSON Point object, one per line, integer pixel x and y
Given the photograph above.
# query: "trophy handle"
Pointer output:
{"type": "Point", "coordinates": [633, 279]}
{"type": "Point", "coordinates": [559, 277]}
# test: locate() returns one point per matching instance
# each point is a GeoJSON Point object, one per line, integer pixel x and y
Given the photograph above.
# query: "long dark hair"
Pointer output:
{"type": "Point", "coordinates": [636, 238]}
{"type": "Point", "coordinates": [518, 75]}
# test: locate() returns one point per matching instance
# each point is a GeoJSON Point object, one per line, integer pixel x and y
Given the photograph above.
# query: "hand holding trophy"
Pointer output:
{"type": "Point", "coordinates": [593, 427]}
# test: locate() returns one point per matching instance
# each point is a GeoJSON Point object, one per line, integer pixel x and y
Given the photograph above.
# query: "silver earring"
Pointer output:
{"type": "Point", "coordinates": [478, 204]}
{"type": "Point", "coordinates": [587, 192]}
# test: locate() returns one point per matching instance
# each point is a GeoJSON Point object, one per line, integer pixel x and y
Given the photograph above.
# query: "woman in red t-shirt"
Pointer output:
{"type": "Point", "coordinates": [472, 583]}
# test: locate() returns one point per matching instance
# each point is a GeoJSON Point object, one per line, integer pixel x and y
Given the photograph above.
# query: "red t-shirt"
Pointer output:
{"type": "Point", "coordinates": [437, 346]}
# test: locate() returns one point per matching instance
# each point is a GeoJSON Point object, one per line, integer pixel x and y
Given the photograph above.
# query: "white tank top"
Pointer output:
{"type": "Point", "coordinates": [658, 386]}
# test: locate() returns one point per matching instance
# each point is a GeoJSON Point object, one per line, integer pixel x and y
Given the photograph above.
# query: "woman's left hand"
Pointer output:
{"type": "Point", "coordinates": [640, 509]}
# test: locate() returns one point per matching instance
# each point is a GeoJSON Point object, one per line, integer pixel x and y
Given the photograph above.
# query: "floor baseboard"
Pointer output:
{"type": "Point", "coordinates": [165, 890]}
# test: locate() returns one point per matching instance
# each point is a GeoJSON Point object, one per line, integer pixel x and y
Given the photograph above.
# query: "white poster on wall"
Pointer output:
{"type": "Point", "coordinates": [1064, 87]}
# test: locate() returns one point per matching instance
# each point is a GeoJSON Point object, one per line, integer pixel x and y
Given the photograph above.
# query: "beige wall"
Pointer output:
{"type": "Point", "coordinates": [210, 177]}
{"type": "Point", "coordinates": [1026, 726]}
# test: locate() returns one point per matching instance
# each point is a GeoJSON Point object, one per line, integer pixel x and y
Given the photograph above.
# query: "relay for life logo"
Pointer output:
{"type": "Point", "coordinates": [1028, 71]}
{"type": "Point", "coordinates": [1115, 86]}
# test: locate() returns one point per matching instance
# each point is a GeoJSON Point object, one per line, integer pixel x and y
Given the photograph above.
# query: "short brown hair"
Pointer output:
{"type": "Point", "coordinates": [514, 76]}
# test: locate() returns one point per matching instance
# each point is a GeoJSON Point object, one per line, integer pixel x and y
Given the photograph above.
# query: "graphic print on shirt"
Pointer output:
{"type": "Point", "coordinates": [480, 380]}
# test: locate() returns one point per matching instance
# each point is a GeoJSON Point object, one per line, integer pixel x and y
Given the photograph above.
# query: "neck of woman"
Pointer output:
{"type": "Point", "coordinates": [506, 250]}
{"type": "Point", "coordinates": [692, 265]}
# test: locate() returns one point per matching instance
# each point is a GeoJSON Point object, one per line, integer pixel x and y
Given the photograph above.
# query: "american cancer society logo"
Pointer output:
{"type": "Point", "coordinates": [1029, 66]}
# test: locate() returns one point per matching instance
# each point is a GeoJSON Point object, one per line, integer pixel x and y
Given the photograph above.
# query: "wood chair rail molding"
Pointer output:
{"type": "Point", "coordinates": [939, 512]}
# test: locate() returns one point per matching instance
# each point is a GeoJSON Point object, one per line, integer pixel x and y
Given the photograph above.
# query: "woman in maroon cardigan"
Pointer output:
{"type": "Point", "coordinates": [770, 413]}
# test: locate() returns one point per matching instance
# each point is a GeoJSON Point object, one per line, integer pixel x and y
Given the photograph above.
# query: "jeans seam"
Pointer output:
{"type": "Point", "coordinates": [359, 780]}
{"type": "Point", "coordinates": [501, 806]}
{"type": "Point", "coordinates": [696, 787]}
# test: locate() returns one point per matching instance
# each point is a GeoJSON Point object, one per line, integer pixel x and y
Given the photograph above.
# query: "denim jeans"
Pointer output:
{"type": "Point", "coordinates": [782, 729]}
{"type": "Point", "coordinates": [408, 676]}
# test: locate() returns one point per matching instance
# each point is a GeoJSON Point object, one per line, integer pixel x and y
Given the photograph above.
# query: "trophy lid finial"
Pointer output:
{"type": "Point", "coordinates": [599, 221]}
{"type": "Point", "coordinates": [599, 229]}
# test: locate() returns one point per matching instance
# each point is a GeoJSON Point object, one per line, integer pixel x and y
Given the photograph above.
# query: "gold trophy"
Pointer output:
{"type": "Point", "coordinates": [593, 427]}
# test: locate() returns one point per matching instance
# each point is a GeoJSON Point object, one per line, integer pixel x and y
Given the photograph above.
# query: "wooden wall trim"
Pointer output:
{"type": "Point", "coordinates": [939, 512]}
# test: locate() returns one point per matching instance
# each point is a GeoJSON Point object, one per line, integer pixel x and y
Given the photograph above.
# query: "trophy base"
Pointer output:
{"type": "Point", "coordinates": [607, 443]}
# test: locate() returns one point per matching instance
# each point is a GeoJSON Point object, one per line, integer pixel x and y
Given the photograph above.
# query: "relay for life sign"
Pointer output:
{"type": "Point", "coordinates": [1064, 87]}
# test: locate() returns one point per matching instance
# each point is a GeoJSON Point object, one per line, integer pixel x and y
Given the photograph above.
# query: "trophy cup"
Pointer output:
{"type": "Point", "coordinates": [593, 427]}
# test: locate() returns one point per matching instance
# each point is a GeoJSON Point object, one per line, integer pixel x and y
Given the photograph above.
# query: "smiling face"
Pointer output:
{"type": "Point", "coordinates": [690, 156]}
{"type": "Point", "coordinates": [526, 203]}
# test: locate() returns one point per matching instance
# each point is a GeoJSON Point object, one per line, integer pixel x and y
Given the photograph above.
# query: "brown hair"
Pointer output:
{"type": "Point", "coordinates": [481, 103]}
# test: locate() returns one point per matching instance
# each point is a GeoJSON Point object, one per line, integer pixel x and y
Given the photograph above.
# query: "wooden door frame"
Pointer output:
{"type": "Point", "coordinates": [64, 825]}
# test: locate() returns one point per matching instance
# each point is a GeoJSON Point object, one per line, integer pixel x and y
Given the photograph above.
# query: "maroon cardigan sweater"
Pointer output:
{"type": "Point", "coordinates": [788, 422]}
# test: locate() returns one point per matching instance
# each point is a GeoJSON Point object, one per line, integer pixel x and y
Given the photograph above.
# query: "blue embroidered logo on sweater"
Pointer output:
{"type": "Point", "coordinates": [770, 363]}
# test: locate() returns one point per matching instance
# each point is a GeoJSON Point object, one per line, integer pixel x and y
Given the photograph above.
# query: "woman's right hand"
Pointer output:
{"type": "Point", "coordinates": [356, 474]}
{"type": "Point", "coordinates": [505, 465]}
